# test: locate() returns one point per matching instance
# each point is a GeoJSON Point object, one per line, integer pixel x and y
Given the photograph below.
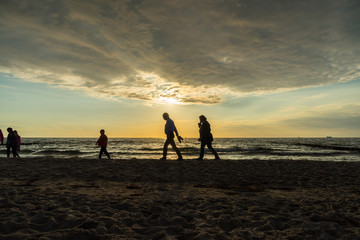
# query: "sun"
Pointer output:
{"type": "Point", "coordinates": [169, 100]}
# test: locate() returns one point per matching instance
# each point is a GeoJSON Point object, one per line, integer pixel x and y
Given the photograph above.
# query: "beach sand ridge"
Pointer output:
{"type": "Point", "coordinates": [151, 199]}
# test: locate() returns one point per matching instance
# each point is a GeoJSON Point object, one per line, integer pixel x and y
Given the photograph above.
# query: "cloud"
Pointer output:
{"type": "Point", "coordinates": [188, 52]}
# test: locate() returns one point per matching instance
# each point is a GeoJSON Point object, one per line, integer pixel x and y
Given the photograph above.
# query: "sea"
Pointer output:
{"type": "Point", "coordinates": [317, 149]}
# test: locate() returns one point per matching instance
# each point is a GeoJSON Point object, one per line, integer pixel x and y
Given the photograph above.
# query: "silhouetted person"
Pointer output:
{"type": "Point", "coordinates": [206, 137]}
{"type": "Point", "coordinates": [1, 137]}
{"type": "Point", "coordinates": [18, 138]}
{"type": "Point", "coordinates": [102, 142]}
{"type": "Point", "coordinates": [169, 131]}
{"type": "Point", "coordinates": [11, 143]}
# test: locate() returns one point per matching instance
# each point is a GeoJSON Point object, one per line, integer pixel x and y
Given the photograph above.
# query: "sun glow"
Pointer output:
{"type": "Point", "coordinates": [169, 100]}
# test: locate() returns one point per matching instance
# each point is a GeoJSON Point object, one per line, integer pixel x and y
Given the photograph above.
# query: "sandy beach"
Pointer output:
{"type": "Point", "coordinates": [151, 199]}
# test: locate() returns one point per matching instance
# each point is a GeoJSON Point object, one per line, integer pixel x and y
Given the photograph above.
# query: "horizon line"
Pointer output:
{"type": "Point", "coordinates": [191, 137]}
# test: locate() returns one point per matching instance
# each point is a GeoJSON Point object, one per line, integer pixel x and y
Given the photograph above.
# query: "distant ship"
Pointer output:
{"type": "Point", "coordinates": [329, 137]}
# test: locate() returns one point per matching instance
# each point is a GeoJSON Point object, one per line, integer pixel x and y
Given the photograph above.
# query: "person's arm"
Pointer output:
{"type": "Point", "coordinates": [177, 135]}
{"type": "Point", "coordinates": [176, 132]}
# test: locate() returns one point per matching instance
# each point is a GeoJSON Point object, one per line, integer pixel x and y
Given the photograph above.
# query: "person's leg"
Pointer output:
{"type": "Point", "coordinates": [15, 153]}
{"type": "Point", "coordinates": [106, 153]}
{"type": "Point", "coordinates": [202, 149]}
{"type": "Point", "coordinates": [8, 151]}
{"type": "Point", "coordinates": [209, 145]}
{"type": "Point", "coordinates": [173, 145]}
{"type": "Point", "coordinates": [101, 152]}
{"type": "Point", "coordinates": [166, 144]}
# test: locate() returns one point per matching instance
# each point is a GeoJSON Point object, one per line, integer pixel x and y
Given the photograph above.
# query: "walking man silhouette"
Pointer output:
{"type": "Point", "coordinates": [169, 131]}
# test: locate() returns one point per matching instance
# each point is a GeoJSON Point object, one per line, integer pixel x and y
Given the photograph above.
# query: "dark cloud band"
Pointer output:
{"type": "Point", "coordinates": [197, 51]}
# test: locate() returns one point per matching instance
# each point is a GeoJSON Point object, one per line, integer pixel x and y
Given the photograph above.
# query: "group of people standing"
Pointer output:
{"type": "Point", "coordinates": [206, 138]}
{"type": "Point", "coordinates": [13, 142]}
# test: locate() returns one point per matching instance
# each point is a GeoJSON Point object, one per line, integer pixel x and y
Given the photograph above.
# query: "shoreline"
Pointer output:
{"type": "Point", "coordinates": [77, 198]}
{"type": "Point", "coordinates": [173, 158]}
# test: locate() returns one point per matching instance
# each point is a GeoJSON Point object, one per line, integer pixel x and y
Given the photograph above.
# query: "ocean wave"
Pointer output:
{"type": "Point", "coordinates": [60, 152]}
{"type": "Point", "coordinates": [30, 143]}
{"type": "Point", "coordinates": [184, 149]}
{"type": "Point", "coordinates": [27, 151]}
{"type": "Point", "coordinates": [231, 148]}
{"type": "Point", "coordinates": [150, 149]}
{"type": "Point", "coordinates": [241, 149]}
{"type": "Point", "coordinates": [342, 148]}
{"type": "Point", "coordinates": [189, 149]}
{"type": "Point", "coordinates": [309, 154]}
{"type": "Point", "coordinates": [133, 153]}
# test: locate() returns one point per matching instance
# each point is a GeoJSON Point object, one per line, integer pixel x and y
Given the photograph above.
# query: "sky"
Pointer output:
{"type": "Point", "coordinates": [254, 68]}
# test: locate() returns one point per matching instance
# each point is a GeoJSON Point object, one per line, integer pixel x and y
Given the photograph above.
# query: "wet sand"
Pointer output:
{"type": "Point", "coordinates": [152, 199]}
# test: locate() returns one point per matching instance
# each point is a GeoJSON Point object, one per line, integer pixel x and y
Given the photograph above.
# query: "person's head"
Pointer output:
{"type": "Point", "coordinates": [102, 131]}
{"type": "Point", "coordinates": [15, 132]}
{"type": "Point", "coordinates": [9, 130]}
{"type": "Point", "coordinates": [202, 118]}
{"type": "Point", "coordinates": [166, 116]}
